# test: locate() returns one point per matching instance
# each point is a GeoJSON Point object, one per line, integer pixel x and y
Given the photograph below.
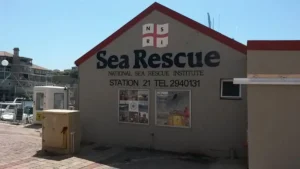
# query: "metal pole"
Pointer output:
{"type": "Point", "coordinates": [4, 74]}
{"type": "Point", "coordinates": [67, 90]}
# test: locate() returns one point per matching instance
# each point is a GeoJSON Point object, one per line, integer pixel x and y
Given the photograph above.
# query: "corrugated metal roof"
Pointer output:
{"type": "Point", "coordinates": [38, 67]}
{"type": "Point", "coordinates": [3, 53]}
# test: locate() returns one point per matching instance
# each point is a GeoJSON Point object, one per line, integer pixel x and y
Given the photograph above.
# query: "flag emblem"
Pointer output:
{"type": "Point", "coordinates": [134, 106]}
{"type": "Point", "coordinates": [155, 35]}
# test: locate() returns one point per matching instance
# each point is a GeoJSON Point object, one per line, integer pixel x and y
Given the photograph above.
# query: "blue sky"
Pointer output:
{"type": "Point", "coordinates": [57, 32]}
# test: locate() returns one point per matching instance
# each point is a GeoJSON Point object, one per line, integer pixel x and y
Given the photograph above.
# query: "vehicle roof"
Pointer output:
{"type": "Point", "coordinates": [10, 103]}
{"type": "Point", "coordinates": [48, 87]}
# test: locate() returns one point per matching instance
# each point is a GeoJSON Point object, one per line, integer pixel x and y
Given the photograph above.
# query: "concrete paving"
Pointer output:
{"type": "Point", "coordinates": [20, 149]}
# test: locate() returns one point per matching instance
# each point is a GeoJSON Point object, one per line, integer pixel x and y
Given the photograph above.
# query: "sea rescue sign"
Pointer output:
{"type": "Point", "coordinates": [141, 63]}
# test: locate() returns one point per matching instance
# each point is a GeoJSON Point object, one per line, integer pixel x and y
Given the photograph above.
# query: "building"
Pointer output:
{"type": "Point", "coordinates": [164, 81]}
{"type": "Point", "coordinates": [20, 75]}
{"type": "Point", "coordinates": [273, 78]}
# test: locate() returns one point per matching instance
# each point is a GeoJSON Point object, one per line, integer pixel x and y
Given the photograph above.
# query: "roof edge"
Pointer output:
{"type": "Point", "coordinates": [173, 14]}
{"type": "Point", "coordinates": [288, 45]}
{"type": "Point", "coordinates": [202, 28]}
{"type": "Point", "coordinates": [116, 34]}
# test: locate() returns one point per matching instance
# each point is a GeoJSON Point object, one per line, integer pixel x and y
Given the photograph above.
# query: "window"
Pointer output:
{"type": "Point", "coordinates": [39, 101]}
{"type": "Point", "coordinates": [25, 76]}
{"type": "Point", "coordinates": [58, 100]}
{"type": "Point", "coordinates": [230, 90]}
{"type": "Point", "coordinates": [28, 110]}
{"type": "Point", "coordinates": [11, 107]}
{"type": "Point", "coordinates": [134, 106]}
{"type": "Point", "coordinates": [173, 108]}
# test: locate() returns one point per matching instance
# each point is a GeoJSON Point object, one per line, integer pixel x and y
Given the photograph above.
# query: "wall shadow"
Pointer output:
{"type": "Point", "coordinates": [33, 126]}
{"type": "Point", "coordinates": [128, 157]}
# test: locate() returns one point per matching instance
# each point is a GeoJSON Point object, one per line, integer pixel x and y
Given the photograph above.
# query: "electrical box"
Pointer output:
{"type": "Point", "coordinates": [48, 97]}
{"type": "Point", "coordinates": [61, 131]}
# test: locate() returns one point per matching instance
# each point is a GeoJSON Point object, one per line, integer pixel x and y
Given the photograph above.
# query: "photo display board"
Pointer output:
{"type": "Point", "coordinates": [173, 108]}
{"type": "Point", "coordinates": [134, 106]}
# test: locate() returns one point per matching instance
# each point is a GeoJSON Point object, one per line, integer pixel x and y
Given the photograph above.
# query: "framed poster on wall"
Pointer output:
{"type": "Point", "coordinates": [173, 108]}
{"type": "Point", "coordinates": [134, 106]}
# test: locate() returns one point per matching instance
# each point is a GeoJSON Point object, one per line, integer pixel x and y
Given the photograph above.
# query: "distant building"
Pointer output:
{"type": "Point", "coordinates": [20, 75]}
{"type": "Point", "coordinates": [74, 68]}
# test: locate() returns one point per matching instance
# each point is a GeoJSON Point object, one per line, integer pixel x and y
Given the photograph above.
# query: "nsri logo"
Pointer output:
{"type": "Point", "coordinates": [155, 35]}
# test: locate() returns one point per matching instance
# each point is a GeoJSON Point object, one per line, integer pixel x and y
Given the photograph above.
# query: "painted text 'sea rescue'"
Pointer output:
{"type": "Point", "coordinates": [154, 60]}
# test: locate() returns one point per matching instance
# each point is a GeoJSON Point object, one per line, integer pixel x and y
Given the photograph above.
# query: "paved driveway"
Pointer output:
{"type": "Point", "coordinates": [17, 143]}
{"type": "Point", "coordinates": [20, 146]}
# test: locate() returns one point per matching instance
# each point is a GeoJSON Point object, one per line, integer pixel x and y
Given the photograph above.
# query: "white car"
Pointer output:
{"type": "Point", "coordinates": [7, 111]}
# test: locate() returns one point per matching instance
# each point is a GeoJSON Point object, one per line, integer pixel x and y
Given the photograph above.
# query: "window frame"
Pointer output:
{"type": "Point", "coordinates": [38, 103]}
{"type": "Point", "coordinates": [63, 100]}
{"type": "Point", "coordinates": [229, 97]}
{"type": "Point", "coordinates": [118, 106]}
{"type": "Point", "coordinates": [190, 108]}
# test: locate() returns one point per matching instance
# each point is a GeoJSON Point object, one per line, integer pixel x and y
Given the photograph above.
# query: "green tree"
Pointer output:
{"type": "Point", "coordinates": [74, 74]}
